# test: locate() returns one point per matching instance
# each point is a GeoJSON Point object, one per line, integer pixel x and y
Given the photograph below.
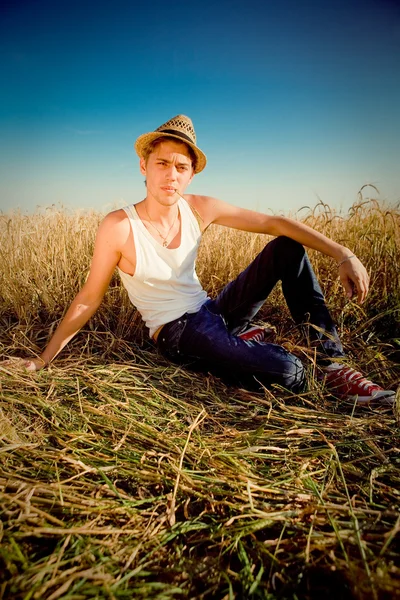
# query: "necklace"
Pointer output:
{"type": "Point", "coordinates": [164, 238]}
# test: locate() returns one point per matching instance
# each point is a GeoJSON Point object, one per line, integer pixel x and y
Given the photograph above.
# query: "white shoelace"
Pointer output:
{"type": "Point", "coordinates": [353, 376]}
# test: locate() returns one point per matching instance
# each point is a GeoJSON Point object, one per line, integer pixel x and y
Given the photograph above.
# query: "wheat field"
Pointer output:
{"type": "Point", "coordinates": [123, 476]}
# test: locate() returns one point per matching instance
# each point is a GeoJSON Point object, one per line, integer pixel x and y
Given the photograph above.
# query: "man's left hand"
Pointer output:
{"type": "Point", "coordinates": [354, 278]}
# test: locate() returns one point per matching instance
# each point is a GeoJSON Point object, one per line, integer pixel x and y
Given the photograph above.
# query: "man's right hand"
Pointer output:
{"type": "Point", "coordinates": [31, 364]}
{"type": "Point", "coordinates": [34, 364]}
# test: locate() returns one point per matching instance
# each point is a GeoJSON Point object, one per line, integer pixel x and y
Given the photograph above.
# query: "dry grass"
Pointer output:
{"type": "Point", "coordinates": [123, 476]}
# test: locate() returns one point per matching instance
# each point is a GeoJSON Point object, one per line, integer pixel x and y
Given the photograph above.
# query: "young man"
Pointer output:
{"type": "Point", "coordinates": [154, 243]}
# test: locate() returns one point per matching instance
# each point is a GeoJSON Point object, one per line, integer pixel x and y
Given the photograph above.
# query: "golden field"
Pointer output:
{"type": "Point", "coordinates": [123, 476]}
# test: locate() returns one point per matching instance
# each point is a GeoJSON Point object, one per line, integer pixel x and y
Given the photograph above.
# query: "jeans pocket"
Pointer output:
{"type": "Point", "coordinates": [170, 336]}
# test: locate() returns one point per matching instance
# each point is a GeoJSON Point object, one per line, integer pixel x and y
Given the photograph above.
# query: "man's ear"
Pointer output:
{"type": "Point", "coordinates": [142, 165]}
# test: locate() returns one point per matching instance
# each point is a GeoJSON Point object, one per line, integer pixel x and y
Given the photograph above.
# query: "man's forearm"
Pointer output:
{"type": "Point", "coordinates": [307, 236]}
{"type": "Point", "coordinates": [76, 317]}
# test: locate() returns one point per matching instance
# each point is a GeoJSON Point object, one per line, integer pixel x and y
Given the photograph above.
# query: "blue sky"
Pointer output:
{"type": "Point", "coordinates": [290, 102]}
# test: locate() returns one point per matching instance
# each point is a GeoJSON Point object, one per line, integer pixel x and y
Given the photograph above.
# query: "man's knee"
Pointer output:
{"type": "Point", "coordinates": [285, 244]}
{"type": "Point", "coordinates": [284, 369]}
{"type": "Point", "coordinates": [293, 375]}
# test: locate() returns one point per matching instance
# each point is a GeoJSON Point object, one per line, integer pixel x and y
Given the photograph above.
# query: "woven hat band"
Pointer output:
{"type": "Point", "coordinates": [177, 134]}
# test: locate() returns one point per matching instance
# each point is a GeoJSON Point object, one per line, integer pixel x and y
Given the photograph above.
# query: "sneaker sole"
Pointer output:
{"type": "Point", "coordinates": [384, 398]}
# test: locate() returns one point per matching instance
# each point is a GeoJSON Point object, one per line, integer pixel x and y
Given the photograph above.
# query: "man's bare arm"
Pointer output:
{"type": "Point", "coordinates": [105, 258]}
{"type": "Point", "coordinates": [351, 271]}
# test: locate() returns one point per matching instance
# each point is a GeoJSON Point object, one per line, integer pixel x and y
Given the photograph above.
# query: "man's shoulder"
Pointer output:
{"type": "Point", "coordinates": [115, 219]}
{"type": "Point", "coordinates": [197, 199]}
{"type": "Point", "coordinates": [115, 226]}
{"type": "Point", "coordinates": [199, 202]}
{"type": "Point", "coordinates": [116, 216]}
{"type": "Point", "coordinates": [204, 205]}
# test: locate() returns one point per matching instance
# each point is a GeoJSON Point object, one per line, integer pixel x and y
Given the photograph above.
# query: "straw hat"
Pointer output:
{"type": "Point", "coordinates": [181, 128]}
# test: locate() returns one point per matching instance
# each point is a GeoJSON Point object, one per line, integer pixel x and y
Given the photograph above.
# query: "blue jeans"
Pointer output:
{"type": "Point", "coordinates": [208, 338]}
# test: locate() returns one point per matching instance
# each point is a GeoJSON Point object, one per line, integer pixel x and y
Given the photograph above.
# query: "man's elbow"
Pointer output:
{"type": "Point", "coordinates": [87, 302]}
{"type": "Point", "coordinates": [275, 225]}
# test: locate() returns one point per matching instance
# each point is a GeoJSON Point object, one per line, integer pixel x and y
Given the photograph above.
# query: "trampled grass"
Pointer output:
{"type": "Point", "coordinates": [123, 476]}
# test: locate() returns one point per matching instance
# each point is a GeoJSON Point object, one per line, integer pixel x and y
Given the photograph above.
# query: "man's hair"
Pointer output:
{"type": "Point", "coordinates": [151, 146]}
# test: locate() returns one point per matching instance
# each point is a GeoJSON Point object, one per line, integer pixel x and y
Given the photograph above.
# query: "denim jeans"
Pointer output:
{"type": "Point", "coordinates": [208, 338]}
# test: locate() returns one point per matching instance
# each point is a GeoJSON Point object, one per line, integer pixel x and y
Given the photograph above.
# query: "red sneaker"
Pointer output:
{"type": "Point", "coordinates": [253, 334]}
{"type": "Point", "coordinates": [345, 382]}
{"type": "Point", "coordinates": [257, 334]}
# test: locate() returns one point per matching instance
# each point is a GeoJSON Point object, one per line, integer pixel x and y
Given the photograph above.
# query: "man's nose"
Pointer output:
{"type": "Point", "coordinates": [171, 173]}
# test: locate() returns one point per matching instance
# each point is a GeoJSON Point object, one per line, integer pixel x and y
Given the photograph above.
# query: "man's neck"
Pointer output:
{"type": "Point", "coordinates": [158, 211]}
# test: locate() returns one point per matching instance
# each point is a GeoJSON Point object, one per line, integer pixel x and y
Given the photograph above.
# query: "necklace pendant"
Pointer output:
{"type": "Point", "coordinates": [165, 243]}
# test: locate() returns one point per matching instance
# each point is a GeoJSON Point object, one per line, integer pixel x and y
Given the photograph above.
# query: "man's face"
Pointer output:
{"type": "Point", "coordinates": [168, 168]}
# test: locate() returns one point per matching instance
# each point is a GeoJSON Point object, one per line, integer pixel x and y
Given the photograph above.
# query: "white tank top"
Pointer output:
{"type": "Point", "coordinates": [165, 284]}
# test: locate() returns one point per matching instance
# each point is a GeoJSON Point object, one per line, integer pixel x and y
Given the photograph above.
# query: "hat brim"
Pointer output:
{"type": "Point", "coordinates": [145, 139]}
